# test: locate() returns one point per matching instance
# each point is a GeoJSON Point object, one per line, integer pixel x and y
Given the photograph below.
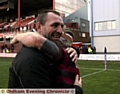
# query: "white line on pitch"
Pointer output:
{"type": "Point", "coordinates": [92, 73]}
{"type": "Point", "coordinates": [92, 68]}
{"type": "Point", "coordinates": [99, 69]}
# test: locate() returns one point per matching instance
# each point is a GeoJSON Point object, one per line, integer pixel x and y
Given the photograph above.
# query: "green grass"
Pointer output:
{"type": "Point", "coordinates": [95, 79]}
{"type": "Point", "coordinates": [98, 81]}
{"type": "Point", "coordinates": [4, 71]}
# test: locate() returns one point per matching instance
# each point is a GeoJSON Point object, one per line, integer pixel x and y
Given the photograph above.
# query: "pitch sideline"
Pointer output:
{"type": "Point", "coordinates": [101, 70]}
{"type": "Point", "coordinates": [92, 74]}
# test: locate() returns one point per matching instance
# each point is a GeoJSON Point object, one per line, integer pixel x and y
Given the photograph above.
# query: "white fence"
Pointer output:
{"type": "Point", "coordinates": [109, 57]}
{"type": "Point", "coordinates": [11, 55]}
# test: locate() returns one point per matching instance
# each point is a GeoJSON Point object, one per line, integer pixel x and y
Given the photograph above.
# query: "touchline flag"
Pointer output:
{"type": "Point", "coordinates": [105, 58]}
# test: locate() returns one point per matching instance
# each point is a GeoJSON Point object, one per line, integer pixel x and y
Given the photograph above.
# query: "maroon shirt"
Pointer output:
{"type": "Point", "coordinates": [65, 70]}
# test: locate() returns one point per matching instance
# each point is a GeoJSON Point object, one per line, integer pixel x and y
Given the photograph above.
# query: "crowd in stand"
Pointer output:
{"type": "Point", "coordinates": [11, 32]}
{"type": "Point", "coordinates": [7, 48]}
{"type": "Point", "coordinates": [87, 50]}
{"type": "Point", "coordinates": [7, 33]}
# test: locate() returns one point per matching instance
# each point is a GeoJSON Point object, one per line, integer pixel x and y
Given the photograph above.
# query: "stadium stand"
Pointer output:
{"type": "Point", "coordinates": [9, 24]}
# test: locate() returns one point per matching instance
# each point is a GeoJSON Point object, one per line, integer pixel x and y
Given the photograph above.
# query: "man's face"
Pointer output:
{"type": "Point", "coordinates": [53, 27]}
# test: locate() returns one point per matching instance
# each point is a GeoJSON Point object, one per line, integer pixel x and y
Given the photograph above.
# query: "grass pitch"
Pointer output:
{"type": "Point", "coordinates": [4, 71]}
{"type": "Point", "coordinates": [95, 79]}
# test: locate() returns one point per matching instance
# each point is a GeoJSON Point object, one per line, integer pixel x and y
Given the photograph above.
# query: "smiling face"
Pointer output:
{"type": "Point", "coordinates": [53, 27]}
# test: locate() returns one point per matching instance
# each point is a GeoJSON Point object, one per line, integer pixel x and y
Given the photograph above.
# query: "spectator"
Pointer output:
{"type": "Point", "coordinates": [94, 50]}
{"type": "Point", "coordinates": [12, 48]}
{"type": "Point", "coordinates": [0, 48]}
{"type": "Point", "coordinates": [4, 46]}
{"type": "Point", "coordinates": [85, 50]}
{"type": "Point", "coordinates": [90, 50]}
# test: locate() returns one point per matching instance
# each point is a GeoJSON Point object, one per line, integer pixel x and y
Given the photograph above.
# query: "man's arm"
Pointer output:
{"type": "Point", "coordinates": [34, 39]}
{"type": "Point", "coordinates": [51, 49]}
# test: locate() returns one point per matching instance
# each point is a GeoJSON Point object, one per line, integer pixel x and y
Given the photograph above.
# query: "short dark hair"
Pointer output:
{"type": "Point", "coordinates": [42, 16]}
{"type": "Point", "coordinates": [70, 33]}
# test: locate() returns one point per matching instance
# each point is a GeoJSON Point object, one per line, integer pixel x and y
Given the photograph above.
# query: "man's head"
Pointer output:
{"type": "Point", "coordinates": [65, 40]}
{"type": "Point", "coordinates": [49, 24]}
{"type": "Point", "coordinates": [69, 36]}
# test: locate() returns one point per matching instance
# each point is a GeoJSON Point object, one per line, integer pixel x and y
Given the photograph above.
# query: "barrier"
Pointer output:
{"type": "Point", "coordinates": [11, 55]}
{"type": "Point", "coordinates": [109, 57]}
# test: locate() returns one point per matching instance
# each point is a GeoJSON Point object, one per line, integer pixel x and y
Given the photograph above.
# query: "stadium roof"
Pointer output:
{"type": "Point", "coordinates": [28, 7]}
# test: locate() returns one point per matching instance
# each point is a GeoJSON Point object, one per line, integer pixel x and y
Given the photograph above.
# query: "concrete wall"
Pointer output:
{"type": "Point", "coordinates": [112, 43]}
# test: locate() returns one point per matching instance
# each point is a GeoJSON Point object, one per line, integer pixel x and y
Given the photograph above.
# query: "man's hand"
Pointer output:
{"type": "Point", "coordinates": [78, 81]}
{"type": "Point", "coordinates": [29, 39]}
{"type": "Point", "coordinates": [73, 54]}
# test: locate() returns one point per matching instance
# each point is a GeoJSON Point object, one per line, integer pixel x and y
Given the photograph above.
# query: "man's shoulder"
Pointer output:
{"type": "Point", "coordinates": [29, 51]}
{"type": "Point", "coordinates": [27, 54]}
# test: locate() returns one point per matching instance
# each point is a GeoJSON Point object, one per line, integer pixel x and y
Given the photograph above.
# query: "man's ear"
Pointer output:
{"type": "Point", "coordinates": [38, 27]}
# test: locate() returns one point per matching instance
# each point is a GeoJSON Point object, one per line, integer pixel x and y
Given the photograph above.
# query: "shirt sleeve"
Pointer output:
{"type": "Point", "coordinates": [78, 89]}
{"type": "Point", "coordinates": [62, 58]}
